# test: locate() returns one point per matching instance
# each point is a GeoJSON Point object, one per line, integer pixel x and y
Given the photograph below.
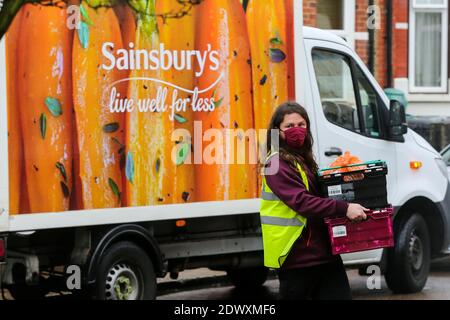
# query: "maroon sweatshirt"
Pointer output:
{"type": "Point", "coordinates": [313, 247]}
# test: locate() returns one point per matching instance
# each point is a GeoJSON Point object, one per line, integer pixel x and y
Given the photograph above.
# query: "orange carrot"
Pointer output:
{"type": "Point", "coordinates": [222, 25]}
{"type": "Point", "coordinates": [46, 108]}
{"type": "Point", "coordinates": [14, 128]}
{"type": "Point", "coordinates": [76, 201]}
{"type": "Point", "coordinates": [183, 176]}
{"type": "Point", "coordinates": [289, 13]}
{"type": "Point", "coordinates": [127, 21]}
{"type": "Point", "coordinates": [269, 64]}
{"type": "Point", "coordinates": [149, 167]}
{"type": "Point", "coordinates": [268, 42]}
{"type": "Point", "coordinates": [100, 131]}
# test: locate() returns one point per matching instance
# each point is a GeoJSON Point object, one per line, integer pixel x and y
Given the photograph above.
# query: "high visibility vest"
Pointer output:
{"type": "Point", "coordinates": [281, 226]}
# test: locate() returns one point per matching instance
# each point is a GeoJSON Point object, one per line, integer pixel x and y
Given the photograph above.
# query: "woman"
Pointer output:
{"type": "Point", "coordinates": [295, 236]}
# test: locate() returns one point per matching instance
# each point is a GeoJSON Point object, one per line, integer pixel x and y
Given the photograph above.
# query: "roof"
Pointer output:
{"type": "Point", "coordinates": [319, 34]}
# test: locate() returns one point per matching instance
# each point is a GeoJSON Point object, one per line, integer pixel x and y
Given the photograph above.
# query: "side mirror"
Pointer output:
{"type": "Point", "coordinates": [397, 119]}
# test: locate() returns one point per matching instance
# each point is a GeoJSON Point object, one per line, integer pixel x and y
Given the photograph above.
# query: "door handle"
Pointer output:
{"type": "Point", "coordinates": [333, 151]}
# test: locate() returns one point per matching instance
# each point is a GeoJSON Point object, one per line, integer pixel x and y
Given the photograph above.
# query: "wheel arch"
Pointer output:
{"type": "Point", "coordinates": [433, 217]}
{"type": "Point", "coordinates": [129, 232]}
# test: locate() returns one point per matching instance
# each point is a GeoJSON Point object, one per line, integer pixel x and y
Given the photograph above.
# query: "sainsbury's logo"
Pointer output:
{"type": "Point", "coordinates": [159, 58]}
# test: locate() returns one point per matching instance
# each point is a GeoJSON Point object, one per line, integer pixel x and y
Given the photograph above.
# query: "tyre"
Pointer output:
{"type": "Point", "coordinates": [248, 277]}
{"type": "Point", "coordinates": [125, 272]}
{"type": "Point", "coordinates": [409, 261]}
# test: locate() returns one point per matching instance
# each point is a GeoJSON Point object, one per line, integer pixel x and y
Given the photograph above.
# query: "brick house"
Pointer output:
{"type": "Point", "coordinates": [412, 57]}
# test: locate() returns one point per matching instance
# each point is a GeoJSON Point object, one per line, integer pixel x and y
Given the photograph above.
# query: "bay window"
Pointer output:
{"type": "Point", "coordinates": [428, 40]}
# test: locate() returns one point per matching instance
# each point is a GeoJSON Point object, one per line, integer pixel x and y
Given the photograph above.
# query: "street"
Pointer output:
{"type": "Point", "coordinates": [204, 284]}
{"type": "Point", "coordinates": [435, 289]}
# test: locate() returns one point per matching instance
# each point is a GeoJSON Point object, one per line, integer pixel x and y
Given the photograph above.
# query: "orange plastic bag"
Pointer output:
{"type": "Point", "coordinates": [345, 160]}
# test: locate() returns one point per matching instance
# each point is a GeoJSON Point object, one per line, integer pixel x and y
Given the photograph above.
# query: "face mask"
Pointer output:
{"type": "Point", "coordinates": [295, 136]}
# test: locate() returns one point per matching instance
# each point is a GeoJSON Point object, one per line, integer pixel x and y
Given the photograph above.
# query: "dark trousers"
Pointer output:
{"type": "Point", "coordinates": [323, 282]}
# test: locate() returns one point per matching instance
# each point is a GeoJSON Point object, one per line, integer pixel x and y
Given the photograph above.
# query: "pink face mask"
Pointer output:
{"type": "Point", "coordinates": [295, 136]}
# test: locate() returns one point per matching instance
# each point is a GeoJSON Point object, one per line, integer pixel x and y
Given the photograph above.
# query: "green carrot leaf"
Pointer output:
{"type": "Point", "coordinates": [65, 189]}
{"type": "Point", "coordinates": [111, 127]}
{"type": "Point", "coordinates": [218, 103]}
{"type": "Point", "coordinates": [114, 188]}
{"type": "Point", "coordinates": [85, 15]}
{"type": "Point", "coordinates": [43, 125]}
{"type": "Point", "coordinates": [115, 140]}
{"type": "Point", "coordinates": [129, 167]}
{"type": "Point", "coordinates": [83, 34]}
{"type": "Point", "coordinates": [62, 169]}
{"type": "Point", "coordinates": [182, 152]}
{"type": "Point", "coordinates": [277, 55]}
{"type": "Point", "coordinates": [179, 118]}
{"type": "Point", "coordinates": [276, 40]}
{"type": "Point", "coordinates": [54, 106]}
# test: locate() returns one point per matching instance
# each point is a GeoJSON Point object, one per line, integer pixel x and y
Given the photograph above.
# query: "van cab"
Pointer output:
{"type": "Point", "coordinates": [350, 111]}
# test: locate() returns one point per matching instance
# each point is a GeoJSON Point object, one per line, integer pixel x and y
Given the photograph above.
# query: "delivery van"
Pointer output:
{"type": "Point", "coordinates": [111, 173]}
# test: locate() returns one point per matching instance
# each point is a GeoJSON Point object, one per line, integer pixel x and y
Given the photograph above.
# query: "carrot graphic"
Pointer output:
{"type": "Point", "coordinates": [45, 105]}
{"type": "Point", "coordinates": [269, 65]}
{"type": "Point", "coordinates": [268, 43]}
{"type": "Point", "coordinates": [173, 39]}
{"type": "Point", "coordinates": [289, 14]}
{"type": "Point", "coordinates": [14, 127]}
{"type": "Point", "coordinates": [100, 131]}
{"type": "Point", "coordinates": [149, 169]}
{"type": "Point", "coordinates": [222, 26]}
{"type": "Point", "coordinates": [76, 200]}
{"type": "Point", "coordinates": [127, 21]}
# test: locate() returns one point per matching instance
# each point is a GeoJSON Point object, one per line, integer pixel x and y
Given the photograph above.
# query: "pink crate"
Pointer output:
{"type": "Point", "coordinates": [374, 233]}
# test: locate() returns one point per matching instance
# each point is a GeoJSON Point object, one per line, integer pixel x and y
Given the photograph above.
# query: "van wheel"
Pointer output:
{"type": "Point", "coordinates": [125, 273]}
{"type": "Point", "coordinates": [409, 260]}
{"type": "Point", "coordinates": [248, 277]}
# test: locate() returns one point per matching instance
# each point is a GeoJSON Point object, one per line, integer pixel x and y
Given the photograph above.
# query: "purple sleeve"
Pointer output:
{"type": "Point", "coordinates": [287, 185]}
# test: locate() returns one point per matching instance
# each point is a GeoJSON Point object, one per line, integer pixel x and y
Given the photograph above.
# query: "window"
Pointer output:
{"type": "Point", "coordinates": [428, 46]}
{"type": "Point", "coordinates": [446, 156]}
{"type": "Point", "coordinates": [338, 16]}
{"type": "Point", "coordinates": [337, 93]}
{"type": "Point", "coordinates": [348, 99]}
{"type": "Point", "coordinates": [330, 14]}
{"type": "Point", "coordinates": [370, 104]}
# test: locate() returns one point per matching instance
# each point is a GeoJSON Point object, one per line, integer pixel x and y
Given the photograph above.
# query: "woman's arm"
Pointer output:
{"type": "Point", "coordinates": [287, 185]}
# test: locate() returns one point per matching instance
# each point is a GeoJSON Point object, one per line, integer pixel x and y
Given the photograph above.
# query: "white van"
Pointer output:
{"type": "Point", "coordinates": [122, 246]}
{"type": "Point", "coordinates": [351, 112]}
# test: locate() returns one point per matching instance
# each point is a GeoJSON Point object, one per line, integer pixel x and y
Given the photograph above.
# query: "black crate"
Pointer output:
{"type": "Point", "coordinates": [366, 186]}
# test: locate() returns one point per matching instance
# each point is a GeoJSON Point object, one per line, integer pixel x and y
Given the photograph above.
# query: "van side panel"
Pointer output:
{"type": "Point", "coordinates": [189, 106]}
{"type": "Point", "coordinates": [4, 194]}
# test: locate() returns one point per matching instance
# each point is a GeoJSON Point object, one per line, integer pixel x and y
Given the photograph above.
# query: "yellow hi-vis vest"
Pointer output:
{"type": "Point", "coordinates": [281, 226]}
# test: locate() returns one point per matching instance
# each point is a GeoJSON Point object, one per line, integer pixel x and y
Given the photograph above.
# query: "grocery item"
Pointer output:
{"type": "Point", "coordinates": [46, 106]}
{"type": "Point", "coordinates": [345, 161]}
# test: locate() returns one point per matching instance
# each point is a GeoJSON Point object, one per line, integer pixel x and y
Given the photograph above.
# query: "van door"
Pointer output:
{"type": "Point", "coordinates": [350, 111]}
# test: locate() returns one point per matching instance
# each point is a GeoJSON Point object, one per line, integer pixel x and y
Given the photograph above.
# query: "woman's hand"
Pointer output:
{"type": "Point", "coordinates": [356, 212]}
